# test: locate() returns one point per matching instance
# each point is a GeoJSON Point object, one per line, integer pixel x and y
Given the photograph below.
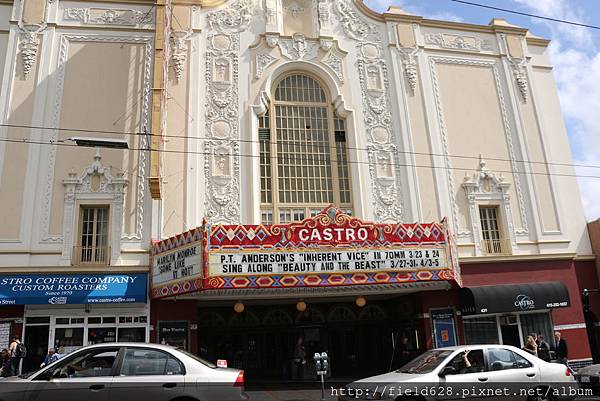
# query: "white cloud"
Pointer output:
{"type": "Point", "coordinates": [576, 63]}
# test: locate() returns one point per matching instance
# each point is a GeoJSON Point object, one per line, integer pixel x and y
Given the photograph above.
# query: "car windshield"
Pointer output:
{"type": "Point", "coordinates": [196, 357]}
{"type": "Point", "coordinates": [425, 363]}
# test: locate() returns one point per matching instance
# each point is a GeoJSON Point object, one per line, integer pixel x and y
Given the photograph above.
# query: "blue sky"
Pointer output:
{"type": "Point", "coordinates": [575, 54]}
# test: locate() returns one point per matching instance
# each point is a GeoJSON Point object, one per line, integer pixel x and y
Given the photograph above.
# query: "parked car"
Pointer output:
{"type": "Point", "coordinates": [127, 372]}
{"type": "Point", "coordinates": [490, 372]}
{"type": "Point", "coordinates": [589, 378]}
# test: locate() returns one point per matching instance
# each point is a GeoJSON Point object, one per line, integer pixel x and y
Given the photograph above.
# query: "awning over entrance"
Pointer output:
{"type": "Point", "coordinates": [514, 297]}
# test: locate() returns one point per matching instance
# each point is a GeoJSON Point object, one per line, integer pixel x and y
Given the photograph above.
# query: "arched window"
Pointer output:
{"type": "Point", "coordinates": [303, 153]}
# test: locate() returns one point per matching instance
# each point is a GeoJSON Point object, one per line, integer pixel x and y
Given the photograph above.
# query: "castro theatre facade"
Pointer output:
{"type": "Point", "coordinates": [278, 109]}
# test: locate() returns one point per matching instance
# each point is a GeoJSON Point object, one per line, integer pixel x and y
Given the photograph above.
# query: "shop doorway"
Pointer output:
{"type": "Point", "coordinates": [509, 327]}
{"type": "Point", "coordinates": [36, 341]}
{"type": "Point", "coordinates": [263, 340]}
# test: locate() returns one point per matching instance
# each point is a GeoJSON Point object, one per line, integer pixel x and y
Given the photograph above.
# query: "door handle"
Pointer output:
{"type": "Point", "coordinates": [530, 374]}
{"type": "Point", "coordinates": [170, 385]}
{"type": "Point", "coordinates": [96, 387]}
{"type": "Point", "coordinates": [483, 379]}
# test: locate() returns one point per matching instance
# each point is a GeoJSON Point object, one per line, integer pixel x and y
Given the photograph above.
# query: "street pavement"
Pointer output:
{"type": "Point", "coordinates": [315, 395]}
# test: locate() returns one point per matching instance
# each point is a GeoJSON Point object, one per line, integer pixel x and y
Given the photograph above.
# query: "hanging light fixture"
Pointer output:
{"type": "Point", "coordinates": [239, 307]}
{"type": "Point", "coordinates": [301, 306]}
{"type": "Point", "coordinates": [360, 301]}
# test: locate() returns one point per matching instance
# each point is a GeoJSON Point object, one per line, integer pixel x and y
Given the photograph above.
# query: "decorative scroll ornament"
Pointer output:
{"type": "Point", "coordinates": [520, 73]}
{"type": "Point", "coordinates": [234, 18]}
{"type": "Point", "coordinates": [179, 50]}
{"type": "Point", "coordinates": [108, 16]}
{"type": "Point", "coordinates": [459, 42]}
{"type": "Point", "coordinates": [29, 41]}
{"type": "Point", "coordinates": [263, 60]}
{"type": "Point", "coordinates": [335, 63]}
{"type": "Point", "coordinates": [354, 26]}
{"type": "Point", "coordinates": [409, 63]}
{"type": "Point", "coordinates": [298, 48]}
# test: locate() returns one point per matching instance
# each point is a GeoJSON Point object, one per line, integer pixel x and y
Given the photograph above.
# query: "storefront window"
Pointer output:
{"type": "Point", "coordinates": [538, 323]}
{"type": "Point", "coordinates": [68, 339]}
{"type": "Point", "coordinates": [97, 335]}
{"type": "Point", "coordinates": [132, 334]}
{"type": "Point", "coordinates": [481, 330]}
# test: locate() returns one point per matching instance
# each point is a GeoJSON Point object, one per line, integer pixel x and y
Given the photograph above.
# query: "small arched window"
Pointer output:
{"type": "Point", "coordinates": [303, 153]}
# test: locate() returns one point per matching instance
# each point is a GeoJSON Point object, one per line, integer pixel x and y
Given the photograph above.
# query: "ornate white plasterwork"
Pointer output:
{"type": "Point", "coordinates": [409, 63]}
{"type": "Point", "coordinates": [299, 48]}
{"type": "Point", "coordinates": [381, 141]}
{"type": "Point", "coordinates": [333, 61]}
{"type": "Point", "coordinates": [354, 26]}
{"type": "Point", "coordinates": [222, 150]}
{"type": "Point", "coordinates": [108, 16]}
{"type": "Point", "coordinates": [519, 70]}
{"type": "Point", "coordinates": [459, 42]}
{"type": "Point", "coordinates": [179, 50]}
{"type": "Point", "coordinates": [94, 185]}
{"type": "Point", "coordinates": [462, 231]}
{"type": "Point", "coordinates": [29, 40]}
{"type": "Point", "coordinates": [65, 39]}
{"type": "Point", "coordinates": [234, 18]}
{"type": "Point", "coordinates": [484, 187]}
{"type": "Point", "coordinates": [261, 63]}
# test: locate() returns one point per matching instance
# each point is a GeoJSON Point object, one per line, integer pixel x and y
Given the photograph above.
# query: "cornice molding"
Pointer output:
{"type": "Point", "coordinates": [462, 26]}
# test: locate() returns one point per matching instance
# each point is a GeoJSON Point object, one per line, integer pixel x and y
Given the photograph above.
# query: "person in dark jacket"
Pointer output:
{"type": "Point", "coordinates": [5, 365]}
{"type": "Point", "coordinates": [561, 348]}
{"type": "Point", "coordinates": [543, 349]}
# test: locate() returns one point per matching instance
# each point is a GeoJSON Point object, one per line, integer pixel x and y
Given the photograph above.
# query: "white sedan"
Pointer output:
{"type": "Point", "coordinates": [127, 372]}
{"type": "Point", "coordinates": [473, 372]}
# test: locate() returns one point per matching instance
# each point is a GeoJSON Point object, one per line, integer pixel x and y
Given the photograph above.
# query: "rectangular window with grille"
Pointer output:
{"type": "Point", "coordinates": [491, 233]}
{"type": "Point", "coordinates": [93, 245]}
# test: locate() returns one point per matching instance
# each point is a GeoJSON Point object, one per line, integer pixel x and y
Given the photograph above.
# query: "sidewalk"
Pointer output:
{"type": "Point", "coordinates": [289, 395]}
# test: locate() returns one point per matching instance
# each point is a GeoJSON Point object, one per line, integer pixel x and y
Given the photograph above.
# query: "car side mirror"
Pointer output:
{"type": "Point", "coordinates": [448, 370]}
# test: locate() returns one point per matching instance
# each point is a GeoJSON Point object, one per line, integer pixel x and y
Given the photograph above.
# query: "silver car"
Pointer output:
{"type": "Point", "coordinates": [473, 372]}
{"type": "Point", "coordinates": [127, 372]}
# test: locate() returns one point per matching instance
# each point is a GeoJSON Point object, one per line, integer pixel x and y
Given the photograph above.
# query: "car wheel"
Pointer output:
{"type": "Point", "coordinates": [542, 394]}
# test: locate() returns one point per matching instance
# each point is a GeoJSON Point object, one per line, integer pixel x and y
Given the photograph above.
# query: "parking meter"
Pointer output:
{"type": "Point", "coordinates": [321, 365]}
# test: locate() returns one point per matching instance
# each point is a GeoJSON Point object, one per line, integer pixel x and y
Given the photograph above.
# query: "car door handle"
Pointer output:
{"type": "Point", "coordinates": [169, 385]}
{"type": "Point", "coordinates": [483, 379]}
{"type": "Point", "coordinates": [530, 374]}
{"type": "Point", "coordinates": [96, 387]}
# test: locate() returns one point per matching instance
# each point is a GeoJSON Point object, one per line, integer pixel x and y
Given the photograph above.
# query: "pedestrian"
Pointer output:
{"type": "Point", "coordinates": [561, 348]}
{"type": "Point", "coordinates": [543, 349]}
{"type": "Point", "coordinates": [17, 352]}
{"type": "Point", "coordinates": [299, 359]}
{"type": "Point", "coordinates": [51, 357]}
{"type": "Point", "coordinates": [5, 366]}
{"type": "Point", "coordinates": [530, 346]}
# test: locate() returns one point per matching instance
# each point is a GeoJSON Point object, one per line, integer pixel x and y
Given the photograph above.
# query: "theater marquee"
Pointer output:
{"type": "Point", "coordinates": [328, 250]}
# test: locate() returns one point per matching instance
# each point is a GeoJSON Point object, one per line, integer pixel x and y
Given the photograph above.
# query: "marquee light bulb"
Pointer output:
{"type": "Point", "coordinates": [239, 307]}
